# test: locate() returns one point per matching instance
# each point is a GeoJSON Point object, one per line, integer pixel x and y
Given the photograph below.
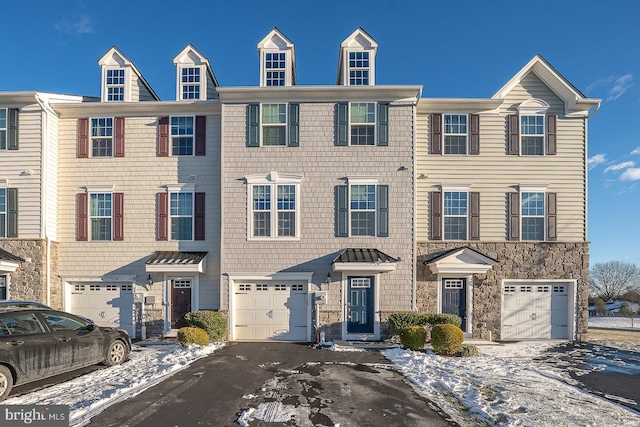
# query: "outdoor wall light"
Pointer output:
{"type": "Point", "coordinates": [328, 279]}
{"type": "Point", "coordinates": [150, 280]}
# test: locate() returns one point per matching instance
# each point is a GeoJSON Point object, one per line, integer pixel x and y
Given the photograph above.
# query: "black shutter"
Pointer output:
{"type": "Point", "coordinates": [12, 212]}
{"type": "Point", "coordinates": [383, 124]}
{"type": "Point", "coordinates": [342, 124]}
{"type": "Point", "coordinates": [474, 134]}
{"type": "Point", "coordinates": [253, 131]}
{"type": "Point", "coordinates": [342, 211]}
{"type": "Point", "coordinates": [201, 136]}
{"type": "Point", "coordinates": [383, 211]}
{"type": "Point", "coordinates": [12, 128]}
{"type": "Point", "coordinates": [436, 134]}
{"type": "Point", "coordinates": [436, 215]}
{"type": "Point", "coordinates": [294, 125]}
{"type": "Point", "coordinates": [514, 135]}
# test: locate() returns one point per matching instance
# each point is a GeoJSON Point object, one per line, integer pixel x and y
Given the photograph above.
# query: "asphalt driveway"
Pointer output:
{"type": "Point", "coordinates": [277, 384]}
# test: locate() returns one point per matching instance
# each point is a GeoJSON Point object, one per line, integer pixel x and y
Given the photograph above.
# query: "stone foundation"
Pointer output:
{"type": "Point", "coordinates": [547, 260]}
{"type": "Point", "coordinates": [29, 281]}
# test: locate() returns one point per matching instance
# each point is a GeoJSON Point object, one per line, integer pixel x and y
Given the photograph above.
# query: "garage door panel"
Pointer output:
{"type": "Point", "coordinates": [270, 311]}
{"type": "Point", "coordinates": [109, 305]}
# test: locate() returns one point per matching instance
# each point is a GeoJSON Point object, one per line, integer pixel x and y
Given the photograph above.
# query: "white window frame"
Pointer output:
{"type": "Point", "coordinates": [524, 135]}
{"type": "Point", "coordinates": [93, 138]}
{"type": "Point", "coordinates": [539, 190]}
{"type": "Point", "coordinates": [445, 134]}
{"type": "Point", "coordinates": [123, 86]}
{"type": "Point", "coordinates": [446, 190]}
{"type": "Point", "coordinates": [177, 191]}
{"type": "Point", "coordinates": [273, 180]}
{"type": "Point", "coordinates": [374, 124]}
{"type": "Point", "coordinates": [100, 217]}
{"type": "Point", "coordinates": [5, 278]}
{"type": "Point", "coordinates": [351, 181]}
{"type": "Point", "coordinates": [4, 129]}
{"type": "Point", "coordinates": [173, 136]}
{"type": "Point", "coordinates": [367, 69]}
{"type": "Point", "coordinates": [278, 70]}
{"type": "Point", "coordinates": [533, 108]}
{"type": "Point", "coordinates": [182, 84]}
{"type": "Point", "coordinates": [3, 212]}
{"type": "Point", "coordinates": [284, 125]}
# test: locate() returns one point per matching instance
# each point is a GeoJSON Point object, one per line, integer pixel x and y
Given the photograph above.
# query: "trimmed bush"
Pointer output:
{"type": "Point", "coordinates": [413, 337]}
{"type": "Point", "coordinates": [188, 335]}
{"type": "Point", "coordinates": [469, 351]}
{"type": "Point", "coordinates": [401, 320]}
{"type": "Point", "coordinates": [213, 322]}
{"type": "Point", "coordinates": [446, 339]}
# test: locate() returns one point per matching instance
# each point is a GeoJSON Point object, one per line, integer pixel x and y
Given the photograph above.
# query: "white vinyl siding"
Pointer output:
{"type": "Point", "coordinates": [494, 173]}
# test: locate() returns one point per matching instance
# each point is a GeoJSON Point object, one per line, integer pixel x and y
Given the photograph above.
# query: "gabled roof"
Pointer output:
{"type": "Point", "coordinates": [9, 262]}
{"type": "Point", "coordinates": [8, 256]}
{"type": "Point", "coordinates": [191, 55]}
{"type": "Point", "coordinates": [277, 40]}
{"type": "Point", "coordinates": [460, 260]}
{"type": "Point", "coordinates": [575, 101]}
{"type": "Point", "coordinates": [114, 56]}
{"type": "Point", "coordinates": [358, 38]}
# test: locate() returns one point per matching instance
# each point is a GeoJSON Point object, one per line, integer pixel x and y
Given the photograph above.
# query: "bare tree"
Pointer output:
{"type": "Point", "coordinates": [612, 279]}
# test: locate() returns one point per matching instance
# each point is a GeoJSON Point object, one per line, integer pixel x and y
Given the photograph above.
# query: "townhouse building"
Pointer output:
{"type": "Point", "coordinates": [299, 210]}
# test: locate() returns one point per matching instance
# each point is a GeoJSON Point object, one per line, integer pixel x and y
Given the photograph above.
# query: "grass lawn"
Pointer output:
{"type": "Point", "coordinates": [612, 336]}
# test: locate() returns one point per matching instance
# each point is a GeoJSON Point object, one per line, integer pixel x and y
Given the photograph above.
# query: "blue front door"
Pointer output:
{"type": "Point", "coordinates": [454, 298]}
{"type": "Point", "coordinates": [360, 305]}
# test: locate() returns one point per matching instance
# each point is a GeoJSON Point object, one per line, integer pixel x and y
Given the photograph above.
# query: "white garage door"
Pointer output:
{"type": "Point", "coordinates": [535, 311]}
{"type": "Point", "coordinates": [105, 304]}
{"type": "Point", "coordinates": [270, 311]}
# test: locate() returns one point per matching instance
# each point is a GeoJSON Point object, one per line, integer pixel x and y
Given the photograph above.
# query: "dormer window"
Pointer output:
{"type": "Point", "coordinates": [115, 82]}
{"type": "Point", "coordinates": [358, 68]}
{"type": "Point", "coordinates": [275, 65]}
{"type": "Point", "coordinates": [190, 83]}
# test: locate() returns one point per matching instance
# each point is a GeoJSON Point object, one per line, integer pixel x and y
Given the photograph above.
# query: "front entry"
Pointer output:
{"type": "Point", "coordinates": [180, 302]}
{"type": "Point", "coordinates": [360, 306]}
{"type": "Point", "coordinates": [454, 298]}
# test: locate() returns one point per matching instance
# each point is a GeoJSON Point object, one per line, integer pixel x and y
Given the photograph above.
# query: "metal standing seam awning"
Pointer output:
{"type": "Point", "coordinates": [371, 260]}
{"type": "Point", "coordinates": [9, 262]}
{"type": "Point", "coordinates": [176, 261]}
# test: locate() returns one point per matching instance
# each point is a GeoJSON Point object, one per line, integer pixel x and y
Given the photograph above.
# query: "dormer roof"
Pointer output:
{"type": "Point", "coordinates": [192, 57]}
{"type": "Point", "coordinates": [575, 102]}
{"type": "Point", "coordinates": [276, 41]}
{"type": "Point", "coordinates": [114, 58]}
{"type": "Point", "coordinates": [358, 40]}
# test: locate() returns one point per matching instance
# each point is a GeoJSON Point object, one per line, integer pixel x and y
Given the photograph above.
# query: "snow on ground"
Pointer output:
{"type": "Point", "coordinates": [92, 393]}
{"type": "Point", "coordinates": [504, 387]}
{"type": "Point", "coordinates": [614, 322]}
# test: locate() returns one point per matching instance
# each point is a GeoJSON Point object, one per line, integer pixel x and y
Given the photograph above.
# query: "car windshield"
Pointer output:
{"type": "Point", "coordinates": [59, 322]}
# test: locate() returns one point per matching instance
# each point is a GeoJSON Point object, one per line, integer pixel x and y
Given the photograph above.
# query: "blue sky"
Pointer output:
{"type": "Point", "coordinates": [452, 48]}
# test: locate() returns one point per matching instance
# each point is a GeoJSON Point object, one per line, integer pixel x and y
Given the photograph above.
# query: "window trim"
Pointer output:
{"type": "Point", "coordinates": [467, 216]}
{"type": "Point", "coordinates": [176, 189]}
{"type": "Point", "coordinates": [5, 129]}
{"type": "Point", "coordinates": [201, 84]}
{"type": "Point", "coordinates": [542, 136]}
{"type": "Point", "coordinates": [373, 124]}
{"type": "Point", "coordinates": [110, 217]}
{"type": "Point", "coordinates": [367, 69]}
{"type": "Point", "coordinates": [126, 95]}
{"type": "Point", "coordinates": [466, 134]}
{"type": "Point", "coordinates": [284, 125]}
{"type": "Point", "coordinates": [7, 288]}
{"type": "Point", "coordinates": [111, 138]}
{"type": "Point", "coordinates": [273, 179]}
{"type": "Point", "coordinates": [347, 69]}
{"type": "Point", "coordinates": [266, 70]}
{"type": "Point", "coordinates": [5, 218]}
{"type": "Point", "coordinates": [192, 135]}
{"type": "Point", "coordinates": [343, 207]}
{"type": "Point", "coordinates": [533, 190]}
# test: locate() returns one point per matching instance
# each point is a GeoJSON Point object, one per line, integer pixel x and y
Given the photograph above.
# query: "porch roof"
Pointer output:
{"type": "Point", "coordinates": [176, 261]}
{"type": "Point", "coordinates": [364, 259]}
{"type": "Point", "coordinates": [9, 262]}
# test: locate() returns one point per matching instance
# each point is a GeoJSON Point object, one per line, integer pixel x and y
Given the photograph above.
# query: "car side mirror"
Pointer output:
{"type": "Point", "coordinates": [91, 327]}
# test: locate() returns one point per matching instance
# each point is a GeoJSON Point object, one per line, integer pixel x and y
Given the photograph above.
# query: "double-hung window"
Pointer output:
{"type": "Point", "coordinates": [115, 82]}
{"type": "Point", "coordinates": [102, 137]}
{"type": "Point", "coordinates": [8, 212]}
{"type": "Point", "coordinates": [182, 134]}
{"type": "Point", "coordinates": [190, 82]}
{"type": "Point", "coordinates": [362, 208]}
{"type": "Point", "coordinates": [3, 287]}
{"type": "Point", "coordinates": [358, 68]}
{"type": "Point", "coordinates": [181, 215]}
{"type": "Point", "coordinates": [3, 128]}
{"type": "Point", "coordinates": [533, 215]}
{"type": "Point", "coordinates": [3, 212]}
{"type": "Point", "coordinates": [455, 215]}
{"type": "Point", "coordinates": [532, 135]}
{"type": "Point", "coordinates": [274, 124]}
{"type": "Point", "coordinates": [455, 134]}
{"type": "Point", "coordinates": [100, 215]}
{"type": "Point", "coordinates": [274, 206]}
{"type": "Point", "coordinates": [363, 123]}
{"type": "Point", "coordinates": [275, 68]}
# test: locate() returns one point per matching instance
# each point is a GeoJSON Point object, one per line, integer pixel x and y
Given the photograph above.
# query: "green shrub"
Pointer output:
{"type": "Point", "coordinates": [446, 339]}
{"type": "Point", "coordinates": [213, 322]}
{"type": "Point", "coordinates": [413, 337]}
{"type": "Point", "coordinates": [188, 335]}
{"type": "Point", "coordinates": [469, 351]}
{"type": "Point", "coordinates": [401, 320]}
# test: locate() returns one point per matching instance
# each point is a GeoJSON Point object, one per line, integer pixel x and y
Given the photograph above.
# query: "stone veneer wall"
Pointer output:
{"type": "Point", "coordinates": [521, 260]}
{"type": "Point", "coordinates": [29, 281]}
{"type": "Point", "coordinates": [331, 325]}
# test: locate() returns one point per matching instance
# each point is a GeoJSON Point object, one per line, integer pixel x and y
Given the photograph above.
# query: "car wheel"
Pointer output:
{"type": "Point", "coordinates": [116, 353]}
{"type": "Point", "coordinates": [6, 382]}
